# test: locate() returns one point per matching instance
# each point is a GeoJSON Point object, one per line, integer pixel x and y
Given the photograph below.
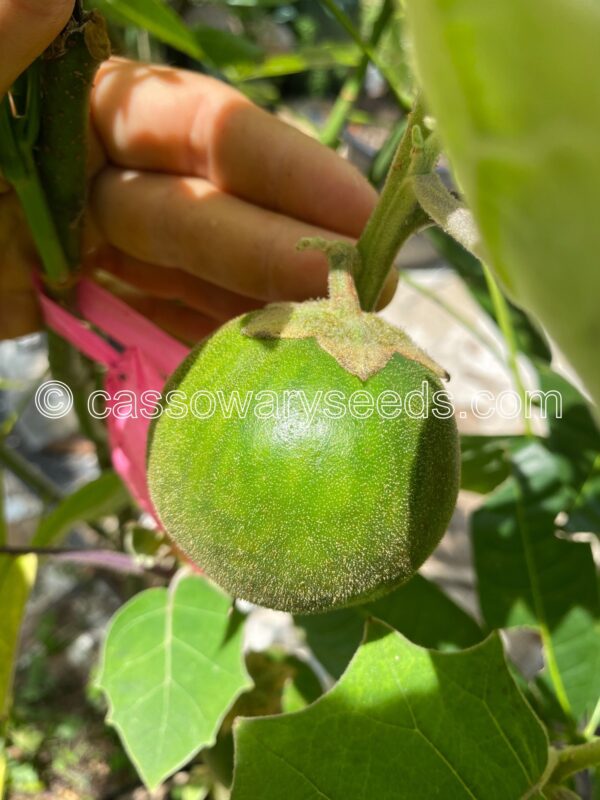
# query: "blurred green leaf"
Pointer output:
{"type": "Point", "coordinates": [485, 461]}
{"type": "Point", "coordinates": [224, 48]}
{"type": "Point", "coordinates": [528, 576]}
{"type": "Point", "coordinates": [401, 718]}
{"type": "Point", "coordinates": [419, 609]}
{"type": "Point", "coordinates": [171, 668]}
{"type": "Point", "coordinates": [156, 17]}
{"type": "Point", "coordinates": [17, 576]}
{"type": "Point", "coordinates": [324, 56]}
{"type": "Point", "coordinates": [508, 83]}
{"type": "Point", "coordinates": [99, 498]}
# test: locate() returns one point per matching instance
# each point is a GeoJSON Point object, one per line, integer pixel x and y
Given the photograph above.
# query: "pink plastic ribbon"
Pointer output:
{"type": "Point", "coordinates": [135, 375]}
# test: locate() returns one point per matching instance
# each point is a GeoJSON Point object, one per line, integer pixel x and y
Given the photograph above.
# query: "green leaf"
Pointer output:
{"type": "Point", "coordinates": [323, 56]}
{"type": "Point", "coordinates": [509, 84]}
{"type": "Point", "coordinates": [224, 48]}
{"type": "Point", "coordinates": [485, 461]}
{"type": "Point", "coordinates": [529, 338]}
{"type": "Point", "coordinates": [302, 688]}
{"type": "Point", "coordinates": [401, 718]}
{"type": "Point", "coordinates": [528, 576]}
{"type": "Point", "coordinates": [157, 18]}
{"type": "Point", "coordinates": [101, 497]}
{"type": "Point", "coordinates": [17, 576]}
{"type": "Point", "coordinates": [419, 609]}
{"type": "Point", "coordinates": [171, 668]}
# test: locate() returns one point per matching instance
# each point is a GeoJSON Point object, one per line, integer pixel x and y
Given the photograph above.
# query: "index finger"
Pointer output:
{"type": "Point", "coordinates": [168, 120]}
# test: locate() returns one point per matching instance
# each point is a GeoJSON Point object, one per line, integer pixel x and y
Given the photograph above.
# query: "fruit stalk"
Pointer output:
{"type": "Point", "coordinates": [398, 213]}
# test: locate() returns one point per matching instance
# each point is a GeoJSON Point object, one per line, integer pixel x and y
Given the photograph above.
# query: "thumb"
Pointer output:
{"type": "Point", "coordinates": [26, 28]}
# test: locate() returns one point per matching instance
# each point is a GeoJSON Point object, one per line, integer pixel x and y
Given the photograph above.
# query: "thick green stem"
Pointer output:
{"type": "Point", "coordinates": [575, 759]}
{"type": "Point", "coordinates": [351, 89]}
{"type": "Point", "coordinates": [397, 214]}
{"type": "Point", "coordinates": [67, 72]}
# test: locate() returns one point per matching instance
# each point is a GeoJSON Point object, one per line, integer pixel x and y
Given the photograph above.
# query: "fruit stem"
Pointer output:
{"type": "Point", "coordinates": [398, 213]}
{"type": "Point", "coordinates": [344, 262]}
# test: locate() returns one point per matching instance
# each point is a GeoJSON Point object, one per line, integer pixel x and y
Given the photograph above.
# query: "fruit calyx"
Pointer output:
{"type": "Point", "coordinates": [362, 343]}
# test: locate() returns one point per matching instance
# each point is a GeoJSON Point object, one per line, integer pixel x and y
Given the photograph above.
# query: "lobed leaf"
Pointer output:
{"type": "Point", "coordinates": [401, 718]}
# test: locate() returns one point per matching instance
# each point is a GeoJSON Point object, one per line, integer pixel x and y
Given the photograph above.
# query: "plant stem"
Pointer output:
{"type": "Point", "coordinates": [29, 475]}
{"type": "Point", "coordinates": [456, 315]}
{"type": "Point", "coordinates": [384, 157]}
{"type": "Point", "coordinates": [19, 168]}
{"type": "Point", "coordinates": [67, 72]}
{"type": "Point", "coordinates": [575, 759]}
{"type": "Point", "coordinates": [350, 91]}
{"type": "Point", "coordinates": [345, 22]}
{"type": "Point", "coordinates": [397, 214]}
{"type": "Point", "coordinates": [594, 722]}
{"type": "Point", "coordinates": [505, 323]}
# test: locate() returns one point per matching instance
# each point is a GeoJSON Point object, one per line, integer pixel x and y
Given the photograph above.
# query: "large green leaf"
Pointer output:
{"type": "Point", "coordinates": [419, 609]}
{"type": "Point", "coordinates": [509, 83]}
{"type": "Point", "coordinates": [403, 722]}
{"type": "Point", "coordinates": [528, 576]}
{"type": "Point", "coordinates": [103, 496]}
{"type": "Point", "coordinates": [171, 668]}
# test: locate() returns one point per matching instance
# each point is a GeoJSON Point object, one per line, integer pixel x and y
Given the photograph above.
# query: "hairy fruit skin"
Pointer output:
{"type": "Point", "coordinates": [298, 515]}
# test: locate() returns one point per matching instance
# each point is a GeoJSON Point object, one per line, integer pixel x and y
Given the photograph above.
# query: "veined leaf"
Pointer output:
{"type": "Point", "coordinates": [419, 609]}
{"type": "Point", "coordinates": [103, 496]}
{"type": "Point", "coordinates": [509, 84]}
{"type": "Point", "coordinates": [401, 718]}
{"type": "Point", "coordinates": [171, 668]}
{"type": "Point", "coordinates": [528, 576]}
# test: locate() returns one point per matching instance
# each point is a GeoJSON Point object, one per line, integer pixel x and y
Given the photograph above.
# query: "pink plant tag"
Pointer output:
{"type": "Point", "coordinates": [135, 375]}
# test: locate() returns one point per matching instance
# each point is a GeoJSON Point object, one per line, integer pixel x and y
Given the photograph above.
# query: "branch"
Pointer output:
{"type": "Point", "coordinates": [67, 73]}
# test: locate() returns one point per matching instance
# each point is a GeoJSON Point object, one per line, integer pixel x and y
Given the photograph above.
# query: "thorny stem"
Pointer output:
{"type": "Point", "coordinates": [353, 84]}
{"type": "Point", "coordinates": [397, 214]}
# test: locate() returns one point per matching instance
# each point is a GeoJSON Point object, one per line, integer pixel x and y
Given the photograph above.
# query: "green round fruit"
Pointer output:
{"type": "Point", "coordinates": [294, 512]}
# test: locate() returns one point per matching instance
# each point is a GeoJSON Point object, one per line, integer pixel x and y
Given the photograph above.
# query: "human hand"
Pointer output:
{"type": "Point", "coordinates": [200, 197]}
